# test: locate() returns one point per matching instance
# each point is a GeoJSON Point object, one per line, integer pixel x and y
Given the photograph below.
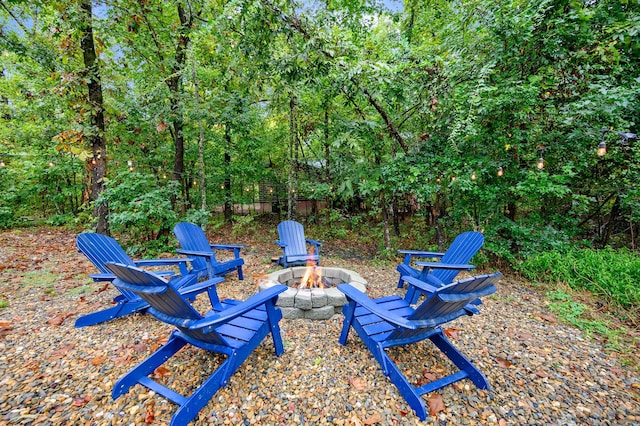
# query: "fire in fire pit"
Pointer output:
{"type": "Point", "coordinates": [313, 278]}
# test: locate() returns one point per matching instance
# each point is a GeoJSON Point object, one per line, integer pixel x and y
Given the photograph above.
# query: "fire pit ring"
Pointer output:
{"type": "Point", "coordinates": [312, 303]}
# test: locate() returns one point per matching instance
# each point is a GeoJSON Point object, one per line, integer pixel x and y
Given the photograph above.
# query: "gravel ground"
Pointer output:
{"type": "Point", "coordinates": [541, 372]}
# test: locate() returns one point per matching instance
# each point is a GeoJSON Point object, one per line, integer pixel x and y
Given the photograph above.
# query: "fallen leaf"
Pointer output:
{"type": "Point", "coordinates": [59, 319]}
{"type": "Point", "coordinates": [403, 413]}
{"type": "Point", "coordinates": [149, 417]}
{"type": "Point", "coordinates": [503, 362]}
{"type": "Point", "coordinates": [452, 332]}
{"type": "Point", "coordinates": [140, 347]}
{"type": "Point", "coordinates": [98, 360]}
{"type": "Point", "coordinates": [373, 419]}
{"type": "Point", "coordinates": [358, 383]}
{"type": "Point", "coordinates": [549, 318]}
{"type": "Point", "coordinates": [161, 372]}
{"type": "Point", "coordinates": [502, 422]}
{"type": "Point", "coordinates": [436, 403]}
{"type": "Point", "coordinates": [429, 375]}
{"type": "Point", "coordinates": [63, 350]}
{"type": "Point", "coordinates": [80, 401]}
{"type": "Point", "coordinates": [542, 374]}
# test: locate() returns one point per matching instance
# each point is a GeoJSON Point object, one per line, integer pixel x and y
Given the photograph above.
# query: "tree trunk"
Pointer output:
{"type": "Point", "coordinates": [292, 148]}
{"type": "Point", "coordinates": [98, 165]}
{"type": "Point", "coordinates": [196, 93]}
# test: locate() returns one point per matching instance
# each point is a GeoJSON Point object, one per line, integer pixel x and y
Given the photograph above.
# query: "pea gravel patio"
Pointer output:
{"type": "Point", "coordinates": [541, 372]}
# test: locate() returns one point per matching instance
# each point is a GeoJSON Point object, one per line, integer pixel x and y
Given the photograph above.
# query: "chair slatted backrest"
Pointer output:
{"type": "Point", "coordinates": [461, 250]}
{"type": "Point", "coordinates": [100, 249]}
{"type": "Point", "coordinates": [291, 233]}
{"type": "Point", "coordinates": [449, 302]}
{"type": "Point", "coordinates": [167, 304]}
{"type": "Point", "coordinates": [192, 237]}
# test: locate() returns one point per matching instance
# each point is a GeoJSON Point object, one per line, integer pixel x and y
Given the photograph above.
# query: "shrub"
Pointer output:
{"type": "Point", "coordinates": [608, 273]}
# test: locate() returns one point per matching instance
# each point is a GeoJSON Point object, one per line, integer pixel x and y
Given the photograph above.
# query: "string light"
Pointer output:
{"type": "Point", "coordinates": [500, 172]}
{"type": "Point", "coordinates": [540, 164]}
{"type": "Point", "coordinates": [130, 164]}
{"type": "Point", "coordinates": [2, 163]}
{"type": "Point", "coordinates": [50, 163]}
{"type": "Point", "coordinates": [602, 149]}
{"type": "Point", "coordinates": [473, 175]}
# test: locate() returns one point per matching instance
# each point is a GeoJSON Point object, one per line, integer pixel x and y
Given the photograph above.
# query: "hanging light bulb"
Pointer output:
{"type": "Point", "coordinates": [130, 164]}
{"type": "Point", "coordinates": [50, 163]}
{"type": "Point", "coordinates": [453, 178]}
{"type": "Point", "coordinates": [195, 182]}
{"type": "Point", "coordinates": [164, 176]}
{"type": "Point", "coordinates": [473, 175]}
{"type": "Point", "coordinates": [2, 163]}
{"type": "Point", "coordinates": [540, 164]}
{"type": "Point", "coordinates": [93, 161]}
{"type": "Point", "coordinates": [500, 171]}
{"type": "Point", "coordinates": [602, 149]}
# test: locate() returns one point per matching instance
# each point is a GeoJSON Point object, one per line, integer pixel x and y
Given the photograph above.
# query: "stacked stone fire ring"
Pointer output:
{"type": "Point", "coordinates": [312, 303]}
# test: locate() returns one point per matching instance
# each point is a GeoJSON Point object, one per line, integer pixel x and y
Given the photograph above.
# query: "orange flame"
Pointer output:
{"type": "Point", "coordinates": [312, 277]}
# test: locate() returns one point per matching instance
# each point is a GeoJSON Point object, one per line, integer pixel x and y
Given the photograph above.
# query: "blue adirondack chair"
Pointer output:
{"type": "Point", "coordinates": [100, 249]}
{"type": "Point", "coordinates": [391, 321]}
{"type": "Point", "coordinates": [233, 329]}
{"type": "Point", "coordinates": [194, 244]}
{"type": "Point", "coordinates": [450, 263]}
{"type": "Point", "coordinates": [294, 245]}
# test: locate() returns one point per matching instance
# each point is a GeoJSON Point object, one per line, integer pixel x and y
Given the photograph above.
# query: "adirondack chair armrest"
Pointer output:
{"type": "Point", "coordinates": [198, 288]}
{"type": "Point", "coordinates": [314, 242]}
{"type": "Point", "coordinates": [280, 243]}
{"type": "Point", "coordinates": [427, 288]}
{"type": "Point", "coordinates": [362, 299]}
{"type": "Point", "coordinates": [194, 253]}
{"type": "Point", "coordinates": [102, 277]}
{"type": "Point", "coordinates": [409, 254]}
{"type": "Point", "coordinates": [440, 265]}
{"type": "Point", "coordinates": [161, 262]}
{"type": "Point", "coordinates": [229, 247]}
{"type": "Point", "coordinates": [235, 311]}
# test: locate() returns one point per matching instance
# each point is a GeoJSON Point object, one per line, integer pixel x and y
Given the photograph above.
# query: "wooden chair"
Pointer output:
{"type": "Point", "coordinates": [444, 271]}
{"type": "Point", "coordinates": [195, 244]}
{"type": "Point", "coordinates": [391, 321]}
{"type": "Point", "coordinates": [231, 328]}
{"type": "Point", "coordinates": [294, 245]}
{"type": "Point", "coordinates": [100, 249]}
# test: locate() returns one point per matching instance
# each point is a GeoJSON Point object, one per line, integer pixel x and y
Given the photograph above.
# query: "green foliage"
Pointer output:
{"type": "Point", "coordinates": [139, 209]}
{"type": "Point", "coordinates": [243, 225]}
{"type": "Point", "coordinates": [608, 273]}
{"type": "Point", "coordinates": [4, 304]}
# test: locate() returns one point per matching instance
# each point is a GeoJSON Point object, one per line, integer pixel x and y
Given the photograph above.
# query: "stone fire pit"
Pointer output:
{"type": "Point", "coordinates": [314, 303]}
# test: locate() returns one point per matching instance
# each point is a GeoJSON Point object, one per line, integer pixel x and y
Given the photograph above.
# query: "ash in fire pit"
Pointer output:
{"type": "Point", "coordinates": [312, 303]}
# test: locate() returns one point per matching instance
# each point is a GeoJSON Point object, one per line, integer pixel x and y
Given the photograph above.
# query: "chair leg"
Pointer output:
{"type": "Point", "coordinates": [407, 391]}
{"type": "Point", "coordinates": [121, 309]}
{"type": "Point", "coordinates": [460, 360]}
{"type": "Point", "coordinates": [348, 310]}
{"type": "Point", "coordinates": [148, 365]}
{"type": "Point", "coordinates": [240, 276]}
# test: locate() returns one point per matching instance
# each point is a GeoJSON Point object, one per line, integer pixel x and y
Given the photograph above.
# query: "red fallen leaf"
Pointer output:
{"type": "Point", "coordinates": [149, 417]}
{"type": "Point", "coordinates": [59, 319]}
{"type": "Point", "coordinates": [161, 127]}
{"type": "Point", "coordinates": [161, 372]}
{"type": "Point", "coordinates": [358, 383]}
{"type": "Point", "coordinates": [548, 318]}
{"type": "Point", "coordinates": [80, 401]}
{"type": "Point", "coordinates": [403, 413]}
{"type": "Point", "coordinates": [103, 288]}
{"type": "Point", "coordinates": [503, 362]}
{"type": "Point", "coordinates": [63, 350]}
{"type": "Point", "coordinates": [373, 419]}
{"type": "Point", "coordinates": [452, 332]}
{"type": "Point", "coordinates": [436, 404]}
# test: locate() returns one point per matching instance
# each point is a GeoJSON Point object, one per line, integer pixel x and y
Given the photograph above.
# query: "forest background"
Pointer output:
{"type": "Point", "coordinates": [400, 123]}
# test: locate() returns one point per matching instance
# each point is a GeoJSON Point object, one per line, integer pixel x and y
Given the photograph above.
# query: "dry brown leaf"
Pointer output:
{"type": "Point", "coordinates": [502, 422]}
{"type": "Point", "coordinates": [59, 319]}
{"type": "Point", "coordinates": [98, 360]}
{"type": "Point", "coordinates": [149, 417]}
{"type": "Point", "coordinates": [80, 401]}
{"type": "Point", "coordinates": [140, 347]}
{"type": "Point", "coordinates": [542, 374]}
{"type": "Point", "coordinates": [63, 350]}
{"type": "Point", "coordinates": [161, 372]}
{"type": "Point", "coordinates": [452, 332]}
{"type": "Point", "coordinates": [358, 383]}
{"type": "Point", "coordinates": [436, 403]}
{"type": "Point", "coordinates": [503, 362]}
{"type": "Point", "coordinates": [373, 419]}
